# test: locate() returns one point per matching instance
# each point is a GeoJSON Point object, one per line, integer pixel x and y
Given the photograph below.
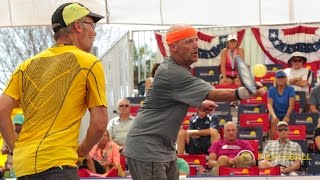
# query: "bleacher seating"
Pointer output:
{"type": "Point", "coordinates": [314, 165]}
{"type": "Point", "coordinates": [272, 171]}
{"type": "Point", "coordinates": [250, 133]}
{"type": "Point", "coordinates": [255, 100]}
{"type": "Point", "coordinates": [228, 171]}
{"type": "Point", "coordinates": [308, 119]}
{"type": "Point", "coordinates": [273, 67]}
{"type": "Point", "coordinates": [254, 120]}
{"type": "Point", "coordinates": [195, 161]}
{"type": "Point", "coordinates": [136, 100]}
{"type": "Point", "coordinates": [209, 74]}
{"type": "Point", "coordinates": [134, 109]}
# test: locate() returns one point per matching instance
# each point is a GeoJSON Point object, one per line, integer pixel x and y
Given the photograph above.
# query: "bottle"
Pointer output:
{"type": "Point", "coordinates": [9, 173]}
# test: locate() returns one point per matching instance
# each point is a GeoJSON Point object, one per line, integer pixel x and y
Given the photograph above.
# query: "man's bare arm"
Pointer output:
{"type": "Point", "coordinates": [7, 104]}
{"type": "Point", "coordinates": [97, 127]}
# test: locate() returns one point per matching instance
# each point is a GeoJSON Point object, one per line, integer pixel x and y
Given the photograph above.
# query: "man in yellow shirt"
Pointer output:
{"type": "Point", "coordinates": [54, 89]}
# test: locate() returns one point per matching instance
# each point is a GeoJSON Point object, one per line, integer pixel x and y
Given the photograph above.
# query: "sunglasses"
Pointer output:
{"type": "Point", "coordinates": [297, 60]}
{"type": "Point", "coordinates": [126, 105]}
{"type": "Point", "coordinates": [283, 129]}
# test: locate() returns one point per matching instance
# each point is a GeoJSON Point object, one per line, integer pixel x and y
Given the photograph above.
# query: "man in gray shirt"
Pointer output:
{"type": "Point", "coordinates": [150, 144]}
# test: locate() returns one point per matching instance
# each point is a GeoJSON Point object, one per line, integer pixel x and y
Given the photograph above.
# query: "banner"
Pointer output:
{"type": "Point", "coordinates": [279, 43]}
{"type": "Point", "coordinates": [210, 46]}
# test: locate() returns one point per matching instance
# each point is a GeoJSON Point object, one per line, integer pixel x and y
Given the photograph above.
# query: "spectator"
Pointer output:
{"type": "Point", "coordinates": [183, 166]}
{"type": "Point", "coordinates": [119, 126]}
{"type": "Point", "coordinates": [314, 99]}
{"type": "Point", "coordinates": [225, 152]}
{"type": "Point", "coordinates": [228, 62]}
{"type": "Point", "coordinates": [201, 133]}
{"type": "Point", "coordinates": [299, 77]}
{"type": "Point", "coordinates": [150, 144]}
{"type": "Point", "coordinates": [317, 139]}
{"type": "Point", "coordinates": [281, 98]}
{"type": "Point", "coordinates": [106, 153]}
{"type": "Point", "coordinates": [149, 81]}
{"type": "Point", "coordinates": [282, 152]}
{"type": "Point", "coordinates": [54, 89]}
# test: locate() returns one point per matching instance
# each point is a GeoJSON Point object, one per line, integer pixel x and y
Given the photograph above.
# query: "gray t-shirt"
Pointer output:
{"type": "Point", "coordinates": [154, 131]}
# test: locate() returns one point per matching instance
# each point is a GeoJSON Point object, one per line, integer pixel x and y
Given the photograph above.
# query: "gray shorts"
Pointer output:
{"type": "Point", "coordinates": [61, 173]}
{"type": "Point", "coordinates": [141, 170]}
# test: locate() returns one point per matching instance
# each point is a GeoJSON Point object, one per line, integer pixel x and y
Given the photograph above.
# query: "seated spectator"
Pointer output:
{"type": "Point", "coordinates": [119, 126]}
{"type": "Point", "coordinates": [225, 152]}
{"type": "Point", "coordinates": [201, 133]}
{"type": "Point", "coordinates": [282, 152]}
{"type": "Point", "coordinates": [105, 153]}
{"type": "Point", "coordinates": [228, 63]}
{"type": "Point", "coordinates": [299, 77]}
{"type": "Point", "coordinates": [149, 81]}
{"type": "Point", "coordinates": [183, 166]}
{"type": "Point", "coordinates": [281, 98]}
{"type": "Point", "coordinates": [317, 139]}
{"type": "Point", "coordinates": [314, 99]}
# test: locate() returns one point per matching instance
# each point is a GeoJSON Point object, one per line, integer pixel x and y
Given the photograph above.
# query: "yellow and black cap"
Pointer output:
{"type": "Point", "coordinates": [70, 12]}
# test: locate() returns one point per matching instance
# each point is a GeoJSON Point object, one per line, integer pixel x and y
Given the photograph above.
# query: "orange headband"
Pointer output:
{"type": "Point", "coordinates": [181, 34]}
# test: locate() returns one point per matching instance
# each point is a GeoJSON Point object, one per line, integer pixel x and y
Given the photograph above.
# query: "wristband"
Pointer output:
{"type": "Point", "coordinates": [192, 131]}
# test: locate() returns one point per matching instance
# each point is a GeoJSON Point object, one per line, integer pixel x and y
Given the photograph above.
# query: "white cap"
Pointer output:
{"type": "Point", "coordinates": [232, 36]}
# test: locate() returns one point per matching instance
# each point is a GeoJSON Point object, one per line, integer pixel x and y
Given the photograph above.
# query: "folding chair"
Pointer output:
{"type": "Point", "coordinates": [222, 119]}
{"type": "Point", "coordinates": [269, 77]}
{"type": "Point", "coordinates": [136, 100]}
{"type": "Point", "coordinates": [209, 74]}
{"type": "Point", "coordinates": [302, 99]}
{"type": "Point", "coordinates": [252, 108]}
{"type": "Point", "coordinates": [186, 120]}
{"type": "Point", "coordinates": [231, 86]}
{"type": "Point", "coordinates": [134, 109]}
{"type": "Point", "coordinates": [255, 100]}
{"type": "Point", "coordinates": [250, 133]}
{"type": "Point", "coordinates": [272, 171]}
{"type": "Point", "coordinates": [273, 67]}
{"type": "Point", "coordinates": [308, 119]}
{"type": "Point", "coordinates": [255, 145]}
{"type": "Point", "coordinates": [194, 161]}
{"type": "Point", "coordinates": [267, 84]}
{"type": "Point", "coordinates": [228, 171]}
{"type": "Point", "coordinates": [304, 147]}
{"type": "Point", "coordinates": [223, 108]}
{"type": "Point", "coordinates": [314, 165]}
{"type": "Point", "coordinates": [254, 120]}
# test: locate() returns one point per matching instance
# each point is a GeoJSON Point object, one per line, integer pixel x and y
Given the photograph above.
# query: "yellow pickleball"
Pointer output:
{"type": "Point", "coordinates": [259, 70]}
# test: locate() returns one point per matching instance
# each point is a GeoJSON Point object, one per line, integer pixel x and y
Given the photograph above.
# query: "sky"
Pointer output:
{"type": "Point", "coordinates": [160, 12]}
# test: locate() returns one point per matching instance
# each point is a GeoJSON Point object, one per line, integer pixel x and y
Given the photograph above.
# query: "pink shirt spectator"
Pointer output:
{"type": "Point", "coordinates": [230, 149]}
{"type": "Point", "coordinates": [110, 153]}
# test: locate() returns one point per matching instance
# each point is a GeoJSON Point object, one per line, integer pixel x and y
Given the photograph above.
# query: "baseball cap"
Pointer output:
{"type": "Point", "coordinates": [18, 119]}
{"type": "Point", "coordinates": [280, 73]}
{"type": "Point", "coordinates": [70, 12]}
{"type": "Point", "coordinates": [297, 54]}
{"type": "Point", "coordinates": [232, 36]}
{"type": "Point", "coordinates": [282, 123]}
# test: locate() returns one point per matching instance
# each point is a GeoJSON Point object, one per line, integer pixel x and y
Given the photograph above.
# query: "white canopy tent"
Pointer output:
{"type": "Point", "coordinates": [164, 12]}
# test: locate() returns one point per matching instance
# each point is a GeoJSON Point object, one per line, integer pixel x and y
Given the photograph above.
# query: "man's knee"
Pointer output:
{"type": "Point", "coordinates": [223, 160]}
